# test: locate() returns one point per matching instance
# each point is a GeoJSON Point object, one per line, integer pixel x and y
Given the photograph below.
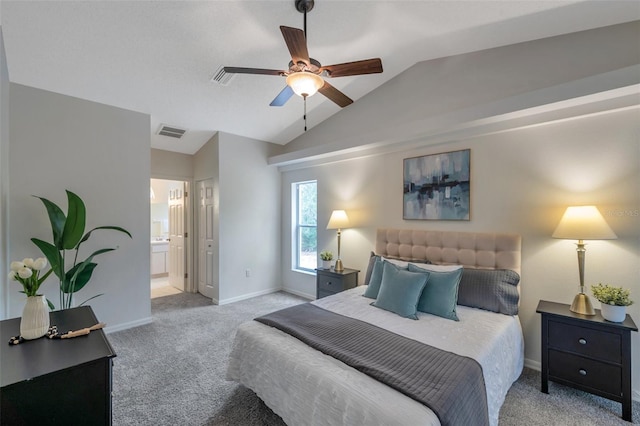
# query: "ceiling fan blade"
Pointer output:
{"type": "Point", "coordinates": [240, 70]}
{"type": "Point", "coordinates": [297, 44]}
{"type": "Point", "coordinates": [282, 97]}
{"type": "Point", "coordinates": [335, 95]}
{"type": "Point", "coordinates": [367, 66]}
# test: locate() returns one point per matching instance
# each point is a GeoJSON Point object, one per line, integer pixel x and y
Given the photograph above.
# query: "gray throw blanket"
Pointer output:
{"type": "Point", "coordinates": [449, 384]}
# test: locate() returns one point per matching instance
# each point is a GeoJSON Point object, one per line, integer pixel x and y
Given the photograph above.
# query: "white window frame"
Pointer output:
{"type": "Point", "coordinates": [296, 228]}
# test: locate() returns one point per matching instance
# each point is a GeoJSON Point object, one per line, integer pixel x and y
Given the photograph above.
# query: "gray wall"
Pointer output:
{"type": "Point", "coordinates": [249, 219]}
{"type": "Point", "coordinates": [246, 215]}
{"type": "Point", "coordinates": [101, 153]}
{"type": "Point", "coordinates": [171, 165]}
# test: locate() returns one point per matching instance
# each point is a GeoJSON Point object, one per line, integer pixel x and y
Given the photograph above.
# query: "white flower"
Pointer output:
{"type": "Point", "coordinates": [25, 273]}
{"type": "Point", "coordinates": [12, 276]}
{"type": "Point", "coordinates": [39, 264]}
{"type": "Point", "coordinates": [16, 266]}
{"type": "Point", "coordinates": [28, 262]}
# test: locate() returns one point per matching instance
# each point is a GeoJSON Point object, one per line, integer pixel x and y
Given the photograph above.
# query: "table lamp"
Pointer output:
{"type": "Point", "coordinates": [337, 221]}
{"type": "Point", "coordinates": [583, 223]}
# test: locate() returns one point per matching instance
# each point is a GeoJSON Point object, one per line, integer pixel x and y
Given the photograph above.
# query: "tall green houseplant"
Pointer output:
{"type": "Point", "coordinates": [68, 236]}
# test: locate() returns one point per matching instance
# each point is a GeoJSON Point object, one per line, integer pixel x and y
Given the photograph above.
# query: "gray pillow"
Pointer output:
{"type": "Point", "coordinates": [400, 290]}
{"type": "Point", "coordinates": [493, 290]}
{"type": "Point", "coordinates": [372, 260]}
{"type": "Point", "coordinates": [440, 295]}
{"type": "Point", "coordinates": [376, 278]}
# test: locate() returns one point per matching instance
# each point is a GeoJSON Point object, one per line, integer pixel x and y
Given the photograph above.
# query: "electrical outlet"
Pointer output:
{"type": "Point", "coordinates": [247, 272]}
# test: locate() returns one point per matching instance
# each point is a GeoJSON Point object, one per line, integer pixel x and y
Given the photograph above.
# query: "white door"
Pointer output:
{"type": "Point", "coordinates": [206, 246]}
{"type": "Point", "coordinates": [177, 256]}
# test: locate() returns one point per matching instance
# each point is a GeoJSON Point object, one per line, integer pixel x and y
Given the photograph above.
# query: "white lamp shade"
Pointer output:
{"type": "Point", "coordinates": [338, 220]}
{"type": "Point", "coordinates": [304, 83]}
{"type": "Point", "coordinates": [583, 223]}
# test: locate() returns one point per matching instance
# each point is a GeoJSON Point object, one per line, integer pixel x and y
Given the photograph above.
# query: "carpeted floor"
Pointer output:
{"type": "Point", "coordinates": [172, 372]}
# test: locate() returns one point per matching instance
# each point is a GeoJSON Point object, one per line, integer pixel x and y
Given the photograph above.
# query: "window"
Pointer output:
{"type": "Point", "coordinates": [305, 232]}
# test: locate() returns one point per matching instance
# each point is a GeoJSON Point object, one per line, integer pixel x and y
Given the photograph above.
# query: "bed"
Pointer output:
{"type": "Point", "coordinates": [305, 386]}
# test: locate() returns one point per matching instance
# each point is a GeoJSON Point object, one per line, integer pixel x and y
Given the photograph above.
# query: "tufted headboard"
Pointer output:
{"type": "Point", "coordinates": [470, 249]}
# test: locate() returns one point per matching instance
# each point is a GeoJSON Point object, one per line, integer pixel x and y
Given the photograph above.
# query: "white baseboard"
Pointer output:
{"type": "Point", "coordinates": [128, 325]}
{"type": "Point", "coordinates": [535, 365]}
{"type": "Point", "coordinates": [246, 296]}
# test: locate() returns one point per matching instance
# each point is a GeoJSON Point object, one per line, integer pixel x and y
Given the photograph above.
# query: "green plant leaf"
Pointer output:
{"type": "Point", "coordinates": [115, 228]}
{"type": "Point", "coordinates": [57, 219]}
{"type": "Point", "coordinates": [44, 277]}
{"type": "Point", "coordinates": [97, 295]}
{"type": "Point", "coordinates": [51, 305]}
{"type": "Point", "coordinates": [78, 276]}
{"type": "Point", "coordinates": [74, 225]}
{"type": "Point", "coordinates": [53, 255]}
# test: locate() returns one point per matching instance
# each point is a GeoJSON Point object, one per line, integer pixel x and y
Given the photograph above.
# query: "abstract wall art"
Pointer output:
{"type": "Point", "coordinates": [437, 187]}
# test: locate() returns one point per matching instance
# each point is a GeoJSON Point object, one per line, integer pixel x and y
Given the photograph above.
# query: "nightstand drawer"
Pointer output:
{"type": "Point", "coordinates": [328, 284]}
{"type": "Point", "coordinates": [585, 341]}
{"type": "Point", "coordinates": [585, 372]}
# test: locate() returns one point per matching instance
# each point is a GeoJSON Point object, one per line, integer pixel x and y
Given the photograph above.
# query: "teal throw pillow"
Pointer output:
{"type": "Point", "coordinates": [440, 295]}
{"type": "Point", "coordinates": [375, 280]}
{"type": "Point", "coordinates": [400, 290]}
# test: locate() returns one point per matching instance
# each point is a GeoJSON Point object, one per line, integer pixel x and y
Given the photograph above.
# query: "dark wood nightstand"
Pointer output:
{"type": "Point", "coordinates": [587, 353]}
{"type": "Point", "coordinates": [329, 281]}
{"type": "Point", "coordinates": [56, 382]}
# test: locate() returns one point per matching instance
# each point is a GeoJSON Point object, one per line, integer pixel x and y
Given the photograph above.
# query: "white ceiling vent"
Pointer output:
{"type": "Point", "coordinates": [171, 131]}
{"type": "Point", "coordinates": [221, 76]}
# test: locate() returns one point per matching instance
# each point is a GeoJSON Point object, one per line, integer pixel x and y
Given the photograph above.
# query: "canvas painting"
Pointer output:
{"type": "Point", "coordinates": [437, 187]}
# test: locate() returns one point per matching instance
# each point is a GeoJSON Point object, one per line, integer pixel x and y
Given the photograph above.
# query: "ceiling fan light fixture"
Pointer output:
{"type": "Point", "coordinates": [304, 83]}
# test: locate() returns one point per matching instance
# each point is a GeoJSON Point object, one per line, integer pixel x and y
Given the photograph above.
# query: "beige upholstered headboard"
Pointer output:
{"type": "Point", "coordinates": [470, 249]}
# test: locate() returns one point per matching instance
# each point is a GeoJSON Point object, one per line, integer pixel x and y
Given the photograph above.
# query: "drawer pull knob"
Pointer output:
{"type": "Point", "coordinates": [328, 282]}
{"type": "Point", "coordinates": [583, 372]}
{"type": "Point", "coordinates": [582, 341]}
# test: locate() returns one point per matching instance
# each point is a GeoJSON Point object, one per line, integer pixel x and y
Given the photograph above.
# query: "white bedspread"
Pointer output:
{"type": "Point", "coordinates": [306, 387]}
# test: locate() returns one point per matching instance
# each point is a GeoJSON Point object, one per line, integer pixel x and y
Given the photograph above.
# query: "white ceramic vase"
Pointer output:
{"type": "Point", "coordinates": [35, 318]}
{"type": "Point", "coordinates": [613, 313]}
{"type": "Point", "coordinates": [326, 264]}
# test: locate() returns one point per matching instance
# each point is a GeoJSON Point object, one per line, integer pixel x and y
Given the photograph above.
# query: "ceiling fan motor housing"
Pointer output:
{"type": "Point", "coordinates": [303, 6]}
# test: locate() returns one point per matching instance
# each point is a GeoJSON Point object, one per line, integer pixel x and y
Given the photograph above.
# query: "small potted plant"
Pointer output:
{"type": "Point", "coordinates": [614, 301]}
{"type": "Point", "coordinates": [326, 257]}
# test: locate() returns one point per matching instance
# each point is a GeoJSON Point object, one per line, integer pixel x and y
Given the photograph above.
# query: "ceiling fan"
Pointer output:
{"type": "Point", "coordinates": [304, 76]}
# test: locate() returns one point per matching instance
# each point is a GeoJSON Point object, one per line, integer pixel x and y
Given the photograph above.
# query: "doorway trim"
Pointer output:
{"type": "Point", "coordinates": [189, 286]}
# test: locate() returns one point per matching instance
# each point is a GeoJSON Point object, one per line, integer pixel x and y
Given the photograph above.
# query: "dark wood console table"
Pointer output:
{"type": "Point", "coordinates": [56, 381]}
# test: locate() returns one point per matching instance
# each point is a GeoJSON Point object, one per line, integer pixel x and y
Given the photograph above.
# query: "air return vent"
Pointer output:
{"type": "Point", "coordinates": [171, 131]}
{"type": "Point", "coordinates": [221, 76]}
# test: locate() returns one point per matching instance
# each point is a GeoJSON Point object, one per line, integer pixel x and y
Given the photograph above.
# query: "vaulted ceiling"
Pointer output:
{"type": "Point", "coordinates": [158, 57]}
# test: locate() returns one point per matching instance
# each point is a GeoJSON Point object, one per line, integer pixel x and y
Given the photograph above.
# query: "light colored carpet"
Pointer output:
{"type": "Point", "coordinates": [172, 372]}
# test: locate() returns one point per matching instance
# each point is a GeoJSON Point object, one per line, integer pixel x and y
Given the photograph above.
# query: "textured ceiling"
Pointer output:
{"type": "Point", "coordinates": [157, 57]}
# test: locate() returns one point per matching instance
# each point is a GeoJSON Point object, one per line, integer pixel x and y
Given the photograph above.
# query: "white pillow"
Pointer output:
{"type": "Point", "coordinates": [427, 266]}
{"type": "Point", "coordinates": [398, 263]}
{"type": "Point", "coordinates": [437, 268]}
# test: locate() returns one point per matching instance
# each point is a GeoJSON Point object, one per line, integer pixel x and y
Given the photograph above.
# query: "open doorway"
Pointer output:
{"type": "Point", "coordinates": [168, 247]}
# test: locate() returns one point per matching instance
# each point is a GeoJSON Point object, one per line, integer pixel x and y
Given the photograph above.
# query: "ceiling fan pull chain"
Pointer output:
{"type": "Point", "coordinates": [305, 112]}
